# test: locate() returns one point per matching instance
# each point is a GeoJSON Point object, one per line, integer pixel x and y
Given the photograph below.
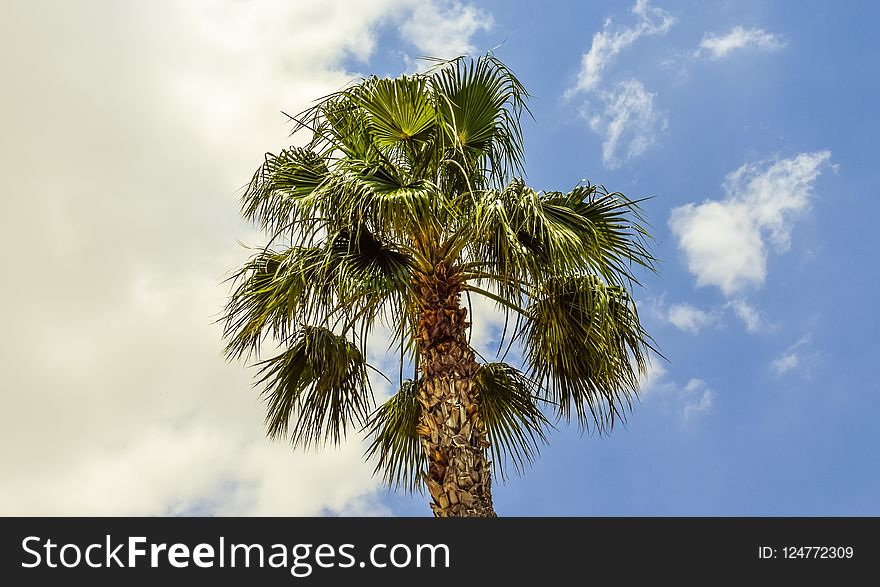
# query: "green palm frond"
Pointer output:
{"type": "Point", "coordinates": [401, 459]}
{"type": "Point", "coordinates": [525, 235]}
{"type": "Point", "coordinates": [617, 236]}
{"type": "Point", "coordinates": [369, 274]}
{"type": "Point", "coordinates": [281, 186]}
{"type": "Point", "coordinates": [338, 125]}
{"type": "Point", "coordinates": [348, 278]}
{"type": "Point", "coordinates": [391, 204]}
{"type": "Point", "coordinates": [316, 389]}
{"type": "Point", "coordinates": [521, 235]}
{"type": "Point", "coordinates": [585, 347]}
{"type": "Point", "coordinates": [367, 255]}
{"type": "Point", "coordinates": [480, 103]}
{"type": "Point", "coordinates": [400, 111]}
{"type": "Point", "coordinates": [514, 421]}
{"type": "Point", "coordinates": [272, 288]}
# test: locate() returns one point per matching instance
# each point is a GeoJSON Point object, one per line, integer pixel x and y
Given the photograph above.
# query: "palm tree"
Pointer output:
{"type": "Point", "coordinates": [407, 196]}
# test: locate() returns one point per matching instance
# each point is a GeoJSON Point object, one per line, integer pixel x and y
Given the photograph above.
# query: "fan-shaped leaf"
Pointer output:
{"type": "Point", "coordinates": [399, 110]}
{"type": "Point", "coordinates": [316, 389]}
{"type": "Point", "coordinates": [585, 347]}
{"type": "Point", "coordinates": [284, 182]}
{"type": "Point", "coordinates": [514, 422]}
{"type": "Point", "coordinates": [352, 274]}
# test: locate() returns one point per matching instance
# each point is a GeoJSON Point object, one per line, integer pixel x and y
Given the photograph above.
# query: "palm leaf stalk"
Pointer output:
{"type": "Point", "coordinates": [408, 195]}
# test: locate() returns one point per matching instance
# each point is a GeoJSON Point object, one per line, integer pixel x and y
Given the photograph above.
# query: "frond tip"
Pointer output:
{"type": "Point", "coordinates": [316, 389]}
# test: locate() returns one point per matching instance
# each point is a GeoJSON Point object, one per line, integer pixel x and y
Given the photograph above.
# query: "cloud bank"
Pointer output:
{"type": "Point", "coordinates": [134, 126]}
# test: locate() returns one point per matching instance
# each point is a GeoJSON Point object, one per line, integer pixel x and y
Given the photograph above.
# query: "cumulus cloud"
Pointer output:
{"type": "Point", "coordinates": [690, 318]}
{"type": "Point", "coordinates": [628, 122]}
{"type": "Point", "coordinates": [722, 245]}
{"type": "Point", "coordinates": [718, 46]}
{"type": "Point", "coordinates": [725, 242]}
{"type": "Point", "coordinates": [444, 29]}
{"type": "Point", "coordinates": [135, 124]}
{"type": "Point", "coordinates": [610, 41]}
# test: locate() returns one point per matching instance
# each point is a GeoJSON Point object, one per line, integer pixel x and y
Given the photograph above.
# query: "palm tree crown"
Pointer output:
{"type": "Point", "coordinates": [408, 195]}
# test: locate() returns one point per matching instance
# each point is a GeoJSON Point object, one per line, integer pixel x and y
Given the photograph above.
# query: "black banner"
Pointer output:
{"type": "Point", "coordinates": [424, 551]}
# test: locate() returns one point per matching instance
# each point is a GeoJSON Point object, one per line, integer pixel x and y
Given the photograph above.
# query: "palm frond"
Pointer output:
{"type": "Point", "coordinates": [272, 288]}
{"type": "Point", "coordinates": [519, 234]}
{"type": "Point", "coordinates": [401, 459]}
{"type": "Point", "coordinates": [338, 125]}
{"type": "Point", "coordinates": [514, 421]}
{"type": "Point", "coordinates": [585, 347]}
{"type": "Point", "coordinates": [348, 277]}
{"type": "Point", "coordinates": [316, 390]}
{"type": "Point", "coordinates": [400, 111]}
{"type": "Point", "coordinates": [616, 234]}
{"type": "Point", "coordinates": [369, 275]}
{"type": "Point", "coordinates": [390, 203]}
{"type": "Point", "coordinates": [479, 103]}
{"type": "Point", "coordinates": [526, 235]}
{"type": "Point", "coordinates": [283, 183]}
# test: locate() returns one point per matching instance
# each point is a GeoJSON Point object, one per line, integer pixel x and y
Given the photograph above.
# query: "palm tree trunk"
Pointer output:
{"type": "Point", "coordinates": [451, 430]}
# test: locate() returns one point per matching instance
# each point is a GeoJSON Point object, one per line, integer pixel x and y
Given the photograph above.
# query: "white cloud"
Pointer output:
{"type": "Point", "coordinates": [785, 363]}
{"type": "Point", "coordinates": [724, 241]}
{"type": "Point", "coordinates": [444, 29]}
{"type": "Point", "coordinates": [697, 399]}
{"type": "Point", "coordinates": [626, 118]}
{"type": "Point", "coordinates": [720, 46]}
{"type": "Point", "coordinates": [150, 116]}
{"type": "Point", "coordinates": [609, 42]}
{"type": "Point", "coordinates": [690, 318]}
{"type": "Point", "coordinates": [722, 245]}
{"type": "Point", "coordinates": [629, 122]}
{"type": "Point", "coordinates": [688, 402]}
{"type": "Point", "coordinates": [792, 357]}
{"type": "Point", "coordinates": [748, 314]}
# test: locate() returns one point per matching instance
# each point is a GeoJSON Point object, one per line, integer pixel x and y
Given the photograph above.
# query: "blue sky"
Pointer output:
{"type": "Point", "coordinates": [749, 125]}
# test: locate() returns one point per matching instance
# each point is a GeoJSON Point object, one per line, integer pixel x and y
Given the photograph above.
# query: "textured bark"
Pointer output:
{"type": "Point", "coordinates": [451, 431]}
